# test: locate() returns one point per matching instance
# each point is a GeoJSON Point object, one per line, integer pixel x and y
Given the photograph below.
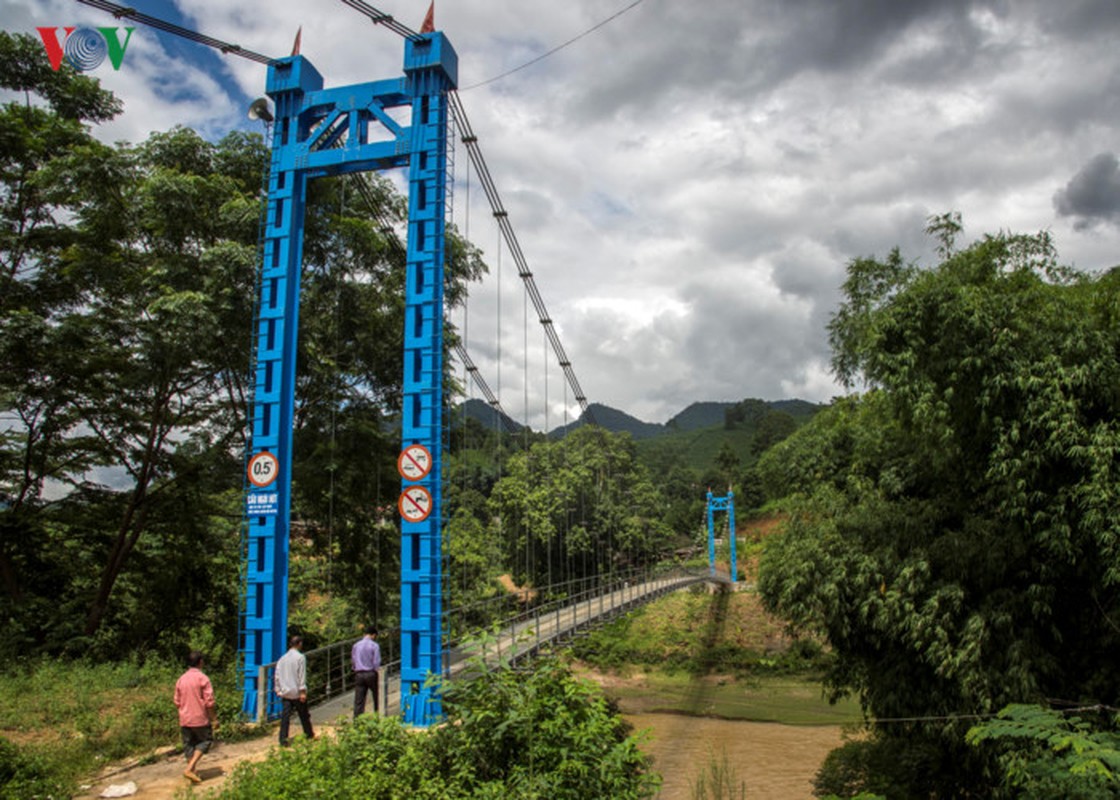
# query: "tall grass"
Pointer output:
{"type": "Point", "coordinates": [61, 721]}
{"type": "Point", "coordinates": [718, 781]}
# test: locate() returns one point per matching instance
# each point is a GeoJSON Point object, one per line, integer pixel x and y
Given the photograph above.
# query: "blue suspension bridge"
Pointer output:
{"type": "Point", "coordinates": [347, 131]}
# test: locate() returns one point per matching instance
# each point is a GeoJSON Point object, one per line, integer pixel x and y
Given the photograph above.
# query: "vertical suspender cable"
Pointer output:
{"type": "Point", "coordinates": [567, 513]}
{"type": "Point", "coordinates": [467, 391]}
{"type": "Point", "coordinates": [544, 361]}
{"type": "Point", "coordinates": [497, 419]}
{"type": "Point", "coordinates": [529, 535]}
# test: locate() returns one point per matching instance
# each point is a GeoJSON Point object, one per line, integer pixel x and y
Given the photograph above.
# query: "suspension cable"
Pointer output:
{"type": "Point", "coordinates": [377, 210]}
{"type": "Point", "coordinates": [469, 139]}
{"type": "Point", "coordinates": [124, 12]}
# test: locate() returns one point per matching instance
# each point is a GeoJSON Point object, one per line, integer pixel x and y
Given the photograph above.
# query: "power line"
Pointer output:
{"type": "Point", "coordinates": [554, 50]}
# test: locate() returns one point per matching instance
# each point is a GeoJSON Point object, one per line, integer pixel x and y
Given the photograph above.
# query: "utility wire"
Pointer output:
{"type": "Point", "coordinates": [554, 50]}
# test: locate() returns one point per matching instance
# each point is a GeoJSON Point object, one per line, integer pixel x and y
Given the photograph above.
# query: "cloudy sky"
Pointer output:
{"type": "Point", "coordinates": [689, 180]}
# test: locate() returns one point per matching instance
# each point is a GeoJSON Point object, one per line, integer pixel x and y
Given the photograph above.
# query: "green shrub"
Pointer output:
{"type": "Point", "coordinates": [89, 714]}
{"type": "Point", "coordinates": [24, 775]}
{"type": "Point", "coordinates": [1045, 754]}
{"type": "Point", "coordinates": [537, 733]}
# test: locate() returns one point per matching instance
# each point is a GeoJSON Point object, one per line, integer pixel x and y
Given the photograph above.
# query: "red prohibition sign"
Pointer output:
{"type": "Point", "coordinates": [414, 463]}
{"type": "Point", "coordinates": [415, 504]}
{"type": "Point", "coordinates": [263, 469]}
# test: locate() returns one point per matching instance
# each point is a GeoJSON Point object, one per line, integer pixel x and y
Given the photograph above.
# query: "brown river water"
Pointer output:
{"type": "Point", "coordinates": [773, 761]}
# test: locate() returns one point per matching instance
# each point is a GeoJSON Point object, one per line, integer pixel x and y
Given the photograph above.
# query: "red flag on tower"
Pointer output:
{"type": "Point", "coordinates": [429, 24]}
{"type": "Point", "coordinates": [295, 46]}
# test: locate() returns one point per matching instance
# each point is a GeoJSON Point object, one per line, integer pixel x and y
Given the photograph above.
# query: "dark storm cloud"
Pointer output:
{"type": "Point", "coordinates": [1093, 194]}
{"type": "Point", "coordinates": [1082, 19]}
{"type": "Point", "coordinates": [677, 51]}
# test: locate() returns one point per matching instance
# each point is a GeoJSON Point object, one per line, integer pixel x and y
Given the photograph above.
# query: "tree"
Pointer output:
{"type": "Point", "coordinates": [727, 462]}
{"type": "Point", "coordinates": [129, 342]}
{"type": "Point", "coordinates": [34, 406]}
{"type": "Point", "coordinates": [955, 533]}
{"type": "Point", "coordinates": [1047, 754]}
{"type": "Point", "coordinates": [745, 413]}
{"type": "Point", "coordinates": [772, 428]}
{"type": "Point", "coordinates": [580, 506]}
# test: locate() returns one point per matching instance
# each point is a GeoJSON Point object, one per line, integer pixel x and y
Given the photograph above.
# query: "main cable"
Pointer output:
{"type": "Point", "coordinates": [124, 12]}
{"type": "Point", "coordinates": [468, 137]}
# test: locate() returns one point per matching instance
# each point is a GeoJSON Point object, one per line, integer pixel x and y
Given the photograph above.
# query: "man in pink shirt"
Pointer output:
{"type": "Point", "coordinates": [194, 697]}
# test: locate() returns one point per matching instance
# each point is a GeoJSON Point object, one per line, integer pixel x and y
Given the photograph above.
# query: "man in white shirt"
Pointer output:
{"type": "Point", "coordinates": [291, 687]}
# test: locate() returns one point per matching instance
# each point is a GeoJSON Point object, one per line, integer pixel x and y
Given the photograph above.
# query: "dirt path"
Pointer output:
{"type": "Point", "coordinates": [162, 778]}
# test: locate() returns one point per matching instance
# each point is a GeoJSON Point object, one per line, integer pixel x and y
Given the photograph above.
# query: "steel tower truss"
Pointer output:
{"type": "Point", "coordinates": [321, 132]}
{"type": "Point", "coordinates": [721, 504]}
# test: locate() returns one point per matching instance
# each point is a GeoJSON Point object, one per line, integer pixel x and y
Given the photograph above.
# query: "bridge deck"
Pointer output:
{"type": "Point", "coordinates": [522, 638]}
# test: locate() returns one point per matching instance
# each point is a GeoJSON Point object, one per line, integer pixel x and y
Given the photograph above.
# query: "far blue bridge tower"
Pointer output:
{"type": "Point", "coordinates": [721, 504]}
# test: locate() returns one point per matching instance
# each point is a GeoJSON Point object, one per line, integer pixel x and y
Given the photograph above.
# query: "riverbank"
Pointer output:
{"type": "Point", "coordinates": [772, 733]}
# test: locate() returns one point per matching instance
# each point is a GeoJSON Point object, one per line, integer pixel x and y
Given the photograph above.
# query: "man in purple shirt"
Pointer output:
{"type": "Point", "coordinates": [365, 660]}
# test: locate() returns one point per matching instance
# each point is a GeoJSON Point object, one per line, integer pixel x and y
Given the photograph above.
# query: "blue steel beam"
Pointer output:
{"type": "Point", "coordinates": [268, 505]}
{"type": "Point", "coordinates": [432, 70]}
{"type": "Point", "coordinates": [317, 133]}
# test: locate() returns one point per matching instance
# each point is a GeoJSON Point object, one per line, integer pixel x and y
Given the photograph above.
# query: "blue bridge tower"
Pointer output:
{"type": "Point", "coordinates": [321, 132]}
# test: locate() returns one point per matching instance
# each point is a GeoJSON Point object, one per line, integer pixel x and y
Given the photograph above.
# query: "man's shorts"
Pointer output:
{"type": "Point", "coordinates": [198, 739]}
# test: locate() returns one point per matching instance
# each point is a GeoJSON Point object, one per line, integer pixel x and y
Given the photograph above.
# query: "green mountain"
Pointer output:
{"type": "Point", "coordinates": [613, 420]}
{"type": "Point", "coordinates": [801, 410]}
{"type": "Point", "coordinates": [481, 412]}
{"type": "Point", "coordinates": [693, 437]}
{"type": "Point", "coordinates": [699, 415]}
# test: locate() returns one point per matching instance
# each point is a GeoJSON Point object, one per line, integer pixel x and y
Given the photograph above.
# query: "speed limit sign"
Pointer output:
{"type": "Point", "coordinates": [263, 469]}
{"type": "Point", "coordinates": [415, 504]}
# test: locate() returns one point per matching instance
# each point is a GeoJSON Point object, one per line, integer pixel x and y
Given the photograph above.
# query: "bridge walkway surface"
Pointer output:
{"type": "Point", "coordinates": [518, 638]}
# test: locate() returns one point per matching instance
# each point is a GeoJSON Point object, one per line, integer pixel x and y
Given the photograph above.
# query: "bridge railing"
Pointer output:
{"type": "Point", "coordinates": [548, 615]}
{"type": "Point", "coordinates": [562, 620]}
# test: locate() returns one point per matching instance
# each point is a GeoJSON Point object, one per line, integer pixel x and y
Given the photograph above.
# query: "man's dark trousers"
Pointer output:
{"type": "Point", "coordinates": [300, 707]}
{"type": "Point", "coordinates": [365, 681]}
